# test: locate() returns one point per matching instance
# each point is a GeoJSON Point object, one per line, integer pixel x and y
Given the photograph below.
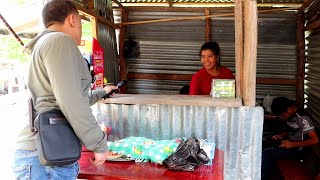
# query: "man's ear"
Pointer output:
{"type": "Point", "coordinates": [71, 20]}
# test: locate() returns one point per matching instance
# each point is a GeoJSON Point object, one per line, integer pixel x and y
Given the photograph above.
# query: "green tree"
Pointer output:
{"type": "Point", "coordinates": [11, 50]}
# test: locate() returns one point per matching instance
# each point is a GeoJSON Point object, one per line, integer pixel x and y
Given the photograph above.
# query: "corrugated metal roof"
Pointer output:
{"type": "Point", "coordinates": [207, 1]}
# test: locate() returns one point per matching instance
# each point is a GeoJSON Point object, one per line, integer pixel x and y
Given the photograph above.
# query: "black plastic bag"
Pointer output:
{"type": "Point", "coordinates": [187, 156]}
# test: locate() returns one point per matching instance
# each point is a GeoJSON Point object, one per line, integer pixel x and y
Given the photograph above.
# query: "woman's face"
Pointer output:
{"type": "Point", "coordinates": [208, 59]}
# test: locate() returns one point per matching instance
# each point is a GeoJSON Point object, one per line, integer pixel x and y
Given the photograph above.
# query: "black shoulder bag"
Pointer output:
{"type": "Point", "coordinates": [57, 144]}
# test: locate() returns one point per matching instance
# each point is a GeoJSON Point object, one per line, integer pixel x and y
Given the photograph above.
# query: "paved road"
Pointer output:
{"type": "Point", "coordinates": [13, 113]}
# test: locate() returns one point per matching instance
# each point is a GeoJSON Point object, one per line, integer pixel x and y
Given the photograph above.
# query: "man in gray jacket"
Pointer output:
{"type": "Point", "coordinates": [59, 79]}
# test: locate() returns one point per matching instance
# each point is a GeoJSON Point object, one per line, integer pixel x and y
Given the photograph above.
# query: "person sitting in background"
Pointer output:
{"type": "Point", "coordinates": [210, 58]}
{"type": "Point", "coordinates": [301, 133]}
{"type": "Point", "coordinates": [184, 90]}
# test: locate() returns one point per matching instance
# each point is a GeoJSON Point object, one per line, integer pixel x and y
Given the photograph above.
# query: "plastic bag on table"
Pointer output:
{"type": "Point", "coordinates": [187, 156]}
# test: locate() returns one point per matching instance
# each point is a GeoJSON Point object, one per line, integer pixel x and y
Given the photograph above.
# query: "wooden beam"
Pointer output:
{"type": "Point", "coordinates": [238, 20]}
{"type": "Point", "coordinates": [312, 11]}
{"type": "Point", "coordinates": [122, 37]}
{"type": "Point", "coordinates": [180, 100]}
{"type": "Point", "coordinates": [270, 81]}
{"type": "Point", "coordinates": [170, 9]}
{"type": "Point", "coordinates": [315, 16]}
{"type": "Point", "coordinates": [208, 26]}
{"type": "Point", "coordinates": [300, 58]}
{"type": "Point", "coordinates": [187, 77]}
{"type": "Point", "coordinates": [305, 4]}
{"type": "Point", "coordinates": [176, 19]}
{"type": "Point", "coordinates": [197, 17]}
{"type": "Point", "coordinates": [313, 25]}
{"type": "Point", "coordinates": [250, 52]}
{"type": "Point", "coordinates": [120, 5]}
{"type": "Point", "coordinates": [99, 18]}
{"type": "Point", "coordinates": [313, 32]}
{"type": "Point", "coordinates": [206, 5]}
{"type": "Point", "coordinates": [177, 77]}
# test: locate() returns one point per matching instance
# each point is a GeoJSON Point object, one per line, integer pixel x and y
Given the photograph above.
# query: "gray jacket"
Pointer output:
{"type": "Point", "coordinates": [59, 78]}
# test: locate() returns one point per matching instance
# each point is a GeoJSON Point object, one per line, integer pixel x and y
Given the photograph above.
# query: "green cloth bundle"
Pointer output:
{"type": "Point", "coordinates": [143, 149]}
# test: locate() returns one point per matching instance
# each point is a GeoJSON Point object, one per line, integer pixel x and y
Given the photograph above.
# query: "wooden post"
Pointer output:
{"type": "Point", "coordinates": [250, 52]}
{"type": "Point", "coordinates": [300, 58]}
{"type": "Point", "coordinates": [123, 64]}
{"type": "Point", "coordinates": [94, 27]}
{"type": "Point", "coordinates": [208, 25]}
{"type": "Point", "coordinates": [238, 23]}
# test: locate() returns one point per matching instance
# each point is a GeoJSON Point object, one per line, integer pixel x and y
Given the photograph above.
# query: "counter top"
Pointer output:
{"type": "Point", "coordinates": [188, 100]}
{"type": "Point", "coordinates": [146, 170]}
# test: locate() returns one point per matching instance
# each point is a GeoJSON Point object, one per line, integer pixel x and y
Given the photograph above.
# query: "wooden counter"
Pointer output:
{"type": "Point", "coordinates": [146, 170]}
{"type": "Point", "coordinates": [187, 100]}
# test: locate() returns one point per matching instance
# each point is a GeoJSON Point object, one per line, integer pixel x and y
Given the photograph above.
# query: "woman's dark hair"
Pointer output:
{"type": "Point", "coordinates": [57, 11]}
{"type": "Point", "coordinates": [214, 47]}
{"type": "Point", "coordinates": [281, 104]}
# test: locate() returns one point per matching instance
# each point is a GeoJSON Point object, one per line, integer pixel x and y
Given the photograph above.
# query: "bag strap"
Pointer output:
{"type": "Point", "coordinates": [31, 116]}
{"type": "Point", "coordinates": [301, 126]}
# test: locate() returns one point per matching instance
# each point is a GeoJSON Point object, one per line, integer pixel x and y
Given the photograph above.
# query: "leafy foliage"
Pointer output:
{"type": "Point", "coordinates": [11, 50]}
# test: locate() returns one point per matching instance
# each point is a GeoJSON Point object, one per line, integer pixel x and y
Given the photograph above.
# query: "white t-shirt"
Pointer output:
{"type": "Point", "coordinates": [299, 126]}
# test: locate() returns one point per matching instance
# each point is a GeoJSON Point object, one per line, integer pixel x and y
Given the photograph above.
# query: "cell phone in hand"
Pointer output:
{"type": "Point", "coordinates": [119, 85]}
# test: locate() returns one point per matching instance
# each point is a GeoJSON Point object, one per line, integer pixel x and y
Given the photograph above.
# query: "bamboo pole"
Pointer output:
{"type": "Point", "coordinates": [238, 21]}
{"type": "Point", "coordinates": [250, 52]}
{"type": "Point", "coordinates": [300, 58]}
{"type": "Point", "coordinates": [208, 26]}
{"type": "Point", "coordinates": [11, 30]}
{"type": "Point", "coordinates": [123, 64]}
{"type": "Point", "coordinates": [197, 17]}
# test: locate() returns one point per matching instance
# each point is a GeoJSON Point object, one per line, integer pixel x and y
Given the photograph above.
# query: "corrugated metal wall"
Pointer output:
{"type": "Point", "coordinates": [237, 131]}
{"type": "Point", "coordinates": [312, 83]}
{"type": "Point", "coordinates": [107, 40]}
{"type": "Point", "coordinates": [173, 48]}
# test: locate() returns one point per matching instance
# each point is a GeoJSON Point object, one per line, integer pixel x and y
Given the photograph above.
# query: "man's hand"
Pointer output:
{"type": "Point", "coordinates": [110, 88]}
{"type": "Point", "coordinates": [99, 158]}
{"type": "Point", "coordinates": [287, 144]}
{"type": "Point", "coordinates": [277, 137]}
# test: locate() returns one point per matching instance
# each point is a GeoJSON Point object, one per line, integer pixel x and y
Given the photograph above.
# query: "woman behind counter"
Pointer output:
{"type": "Point", "coordinates": [210, 58]}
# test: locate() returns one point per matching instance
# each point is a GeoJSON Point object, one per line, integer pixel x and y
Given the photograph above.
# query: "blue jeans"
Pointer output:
{"type": "Point", "coordinates": [27, 166]}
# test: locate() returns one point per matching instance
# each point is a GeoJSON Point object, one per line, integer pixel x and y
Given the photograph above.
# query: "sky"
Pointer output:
{"type": "Point", "coordinates": [18, 13]}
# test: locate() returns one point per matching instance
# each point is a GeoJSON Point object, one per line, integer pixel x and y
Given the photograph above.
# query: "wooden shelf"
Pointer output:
{"type": "Point", "coordinates": [186, 100]}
